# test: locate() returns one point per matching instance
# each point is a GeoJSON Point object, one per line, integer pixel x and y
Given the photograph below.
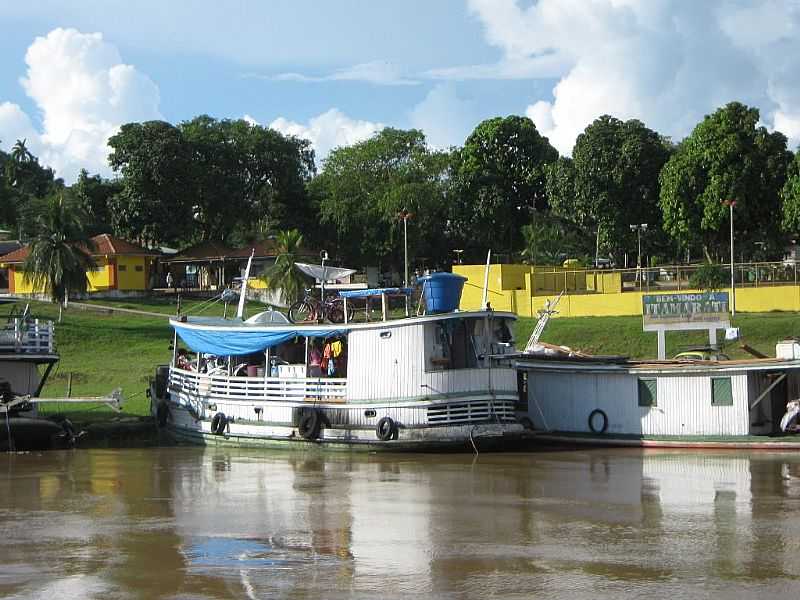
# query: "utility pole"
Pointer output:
{"type": "Point", "coordinates": [404, 215]}
{"type": "Point", "coordinates": [639, 228]}
{"type": "Point", "coordinates": [730, 204]}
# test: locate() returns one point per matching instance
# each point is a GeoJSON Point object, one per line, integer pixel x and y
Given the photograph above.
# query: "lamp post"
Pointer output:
{"type": "Point", "coordinates": [639, 228]}
{"type": "Point", "coordinates": [730, 204]}
{"type": "Point", "coordinates": [404, 215]}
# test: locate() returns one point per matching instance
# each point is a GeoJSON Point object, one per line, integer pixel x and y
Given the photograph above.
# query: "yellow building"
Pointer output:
{"type": "Point", "coordinates": [524, 290]}
{"type": "Point", "coordinates": [120, 266]}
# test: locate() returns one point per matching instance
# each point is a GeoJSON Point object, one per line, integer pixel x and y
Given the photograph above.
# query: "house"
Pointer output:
{"type": "Point", "coordinates": [122, 268]}
{"type": "Point", "coordinates": [6, 246]}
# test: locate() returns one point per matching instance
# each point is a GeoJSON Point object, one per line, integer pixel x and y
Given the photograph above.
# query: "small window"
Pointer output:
{"type": "Point", "coordinates": [123, 267]}
{"type": "Point", "coordinates": [139, 268]}
{"type": "Point", "coordinates": [721, 391]}
{"type": "Point", "coordinates": [648, 392]}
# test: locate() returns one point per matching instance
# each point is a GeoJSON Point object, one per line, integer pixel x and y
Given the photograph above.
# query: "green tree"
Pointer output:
{"type": "Point", "coordinates": [363, 188]}
{"type": "Point", "coordinates": [155, 204]}
{"type": "Point", "coordinates": [728, 156]}
{"type": "Point", "coordinates": [790, 197]}
{"type": "Point", "coordinates": [60, 253]}
{"type": "Point", "coordinates": [93, 195]}
{"type": "Point", "coordinates": [282, 277]}
{"type": "Point", "coordinates": [500, 176]}
{"type": "Point", "coordinates": [611, 182]}
{"type": "Point", "coordinates": [247, 178]}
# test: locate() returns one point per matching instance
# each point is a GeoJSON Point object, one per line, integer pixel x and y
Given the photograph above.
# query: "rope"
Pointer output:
{"type": "Point", "coordinates": [8, 428]}
{"type": "Point", "coordinates": [472, 441]}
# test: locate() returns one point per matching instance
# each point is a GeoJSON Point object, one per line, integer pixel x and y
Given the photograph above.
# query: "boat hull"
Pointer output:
{"type": "Point", "coordinates": [184, 425]}
{"type": "Point", "coordinates": [752, 442]}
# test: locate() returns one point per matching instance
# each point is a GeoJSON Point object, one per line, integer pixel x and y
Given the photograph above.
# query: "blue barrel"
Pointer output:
{"type": "Point", "coordinates": [442, 291]}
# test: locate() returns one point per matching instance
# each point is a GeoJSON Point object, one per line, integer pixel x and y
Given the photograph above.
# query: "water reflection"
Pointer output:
{"type": "Point", "coordinates": [188, 523]}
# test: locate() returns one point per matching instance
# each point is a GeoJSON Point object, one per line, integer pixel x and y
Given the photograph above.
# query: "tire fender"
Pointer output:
{"type": "Point", "coordinates": [309, 425]}
{"type": "Point", "coordinates": [386, 429]}
{"type": "Point", "coordinates": [219, 423]}
{"type": "Point", "coordinates": [162, 414]}
{"type": "Point", "coordinates": [603, 427]}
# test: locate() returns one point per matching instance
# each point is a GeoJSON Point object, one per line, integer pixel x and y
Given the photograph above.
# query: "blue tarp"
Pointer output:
{"type": "Point", "coordinates": [372, 292]}
{"type": "Point", "coordinates": [238, 341]}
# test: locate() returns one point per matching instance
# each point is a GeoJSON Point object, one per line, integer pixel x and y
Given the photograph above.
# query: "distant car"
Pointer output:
{"type": "Point", "coordinates": [701, 354]}
{"type": "Point", "coordinates": [604, 263]}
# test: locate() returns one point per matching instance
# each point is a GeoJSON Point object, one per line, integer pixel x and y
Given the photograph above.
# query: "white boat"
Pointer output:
{"type": "Point", "coordinates": [27, 356]}
{"type": "Point", "coordinates": [422, 382]}
{"type": "Point", "coordinates": [576, 398]}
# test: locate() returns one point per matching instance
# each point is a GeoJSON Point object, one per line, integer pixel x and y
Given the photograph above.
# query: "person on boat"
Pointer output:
{"type": "Point", "coordinates": [327, 363]}
{"type": "Point", "coordinates": [182, 361]}
{"type": "Point", "coordinates": [315, 360]}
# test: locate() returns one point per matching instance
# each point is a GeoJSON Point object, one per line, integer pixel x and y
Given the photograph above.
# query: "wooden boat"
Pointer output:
{"type": "Point", "coordinates": [574, 398]}
{"type": "Point", "coordinates": [417, 383]}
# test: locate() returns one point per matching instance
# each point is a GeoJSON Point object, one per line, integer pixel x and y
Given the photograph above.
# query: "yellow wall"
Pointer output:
{"type": "Point", "coordinates": [101, 278]}
{"type": "Point", "coordinates": [760, 299]}
{"type": "Point", "coordinates": [128, 278]}
{"type": "Point", "coordinates": [594, 294]}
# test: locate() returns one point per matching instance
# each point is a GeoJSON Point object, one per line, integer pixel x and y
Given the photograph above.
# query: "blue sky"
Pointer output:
{"type": "Point", "coordinates": [337, 71]}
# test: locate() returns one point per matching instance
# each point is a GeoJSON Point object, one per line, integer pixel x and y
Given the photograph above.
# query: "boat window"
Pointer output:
{"type": "Point", "coordinates": [648, 392]}
{"type": "Point", "coordinates": [453, 345]}
{"type": "Point", "coordinates": [721, 391]}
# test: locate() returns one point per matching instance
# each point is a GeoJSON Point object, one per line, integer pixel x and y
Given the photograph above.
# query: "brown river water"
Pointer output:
{"type": "Point", "coordinates": [195, 523]}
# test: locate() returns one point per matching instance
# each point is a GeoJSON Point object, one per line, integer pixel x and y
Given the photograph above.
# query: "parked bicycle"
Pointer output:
{"type": "Point", "coordinates": [311, 310]}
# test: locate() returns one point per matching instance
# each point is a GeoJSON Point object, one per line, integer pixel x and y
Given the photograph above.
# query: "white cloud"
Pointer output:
{"type": "Point", "coordinates": [328, 130]}
{"type": "Point", "coordinates": [445, 117]}
{"type": "Point", "coordinates": [377, 72]}
{"type": "Point", "coordinates": [84, 92]}
{"type": "Point", "coordinates": [666, 62]}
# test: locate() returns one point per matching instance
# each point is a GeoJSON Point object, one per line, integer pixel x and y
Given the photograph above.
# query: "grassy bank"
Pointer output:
{"type": "Point", "coordinates": [105, 351]}
{"type": "Point", "coordinates": [624, 335]}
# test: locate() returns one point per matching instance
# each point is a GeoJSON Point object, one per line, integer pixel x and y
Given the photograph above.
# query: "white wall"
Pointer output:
{"type": "Point", "coordinates": [684, 404]}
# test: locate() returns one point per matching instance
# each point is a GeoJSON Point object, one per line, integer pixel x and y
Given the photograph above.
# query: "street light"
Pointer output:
{"type": "Point", "coordinates": [639, 228]}
{"type": "Point", "coordinates": [404, 216]}
{"type": "Point", "coordinates": [731, 204]}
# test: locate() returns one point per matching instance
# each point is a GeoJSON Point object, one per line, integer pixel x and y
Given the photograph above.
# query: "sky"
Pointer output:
{"type": "Point", "coordinates": [336, 72]}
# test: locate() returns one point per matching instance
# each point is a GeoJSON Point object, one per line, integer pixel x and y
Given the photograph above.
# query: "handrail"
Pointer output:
{"type": "Point", "coordinates": [259, 388]}
{"type": "Point", "coordinates": [27, 336]}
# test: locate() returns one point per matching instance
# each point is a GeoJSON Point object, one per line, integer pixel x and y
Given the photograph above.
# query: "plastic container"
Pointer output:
{"type": "Point", "coordinates": [252, 370]}
{"type": "Point", "coordinates": [442, 291]}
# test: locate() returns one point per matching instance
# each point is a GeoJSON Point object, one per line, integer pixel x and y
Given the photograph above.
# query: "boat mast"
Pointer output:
{"type": "Point", "coordinates": [243, 293]}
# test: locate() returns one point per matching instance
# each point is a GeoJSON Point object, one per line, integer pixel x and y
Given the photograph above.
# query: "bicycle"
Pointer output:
{"type": "Point", "coordinates": [311, 310]}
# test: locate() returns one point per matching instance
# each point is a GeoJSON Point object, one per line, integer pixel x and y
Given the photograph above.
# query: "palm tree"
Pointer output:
{"type": "Point", "coordinates": [20, 156]}
{"type": "Point", "coordinates": [282, 277]}
{"type": "Point", "coordinates": [59, 254]}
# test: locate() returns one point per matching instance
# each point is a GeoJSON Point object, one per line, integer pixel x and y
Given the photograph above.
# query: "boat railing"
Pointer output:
{"type": "Point", "coordinates": [30, 336]}
{"type": "Point", "coordinates": [326, 389]}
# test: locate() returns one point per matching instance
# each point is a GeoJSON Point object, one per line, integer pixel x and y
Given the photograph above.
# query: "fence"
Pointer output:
{"type": "Point", "coordinates": [32, 336]}
{"type": "Point", "coordinates": [258, 388]}
{"type": "Point", "coordinates": [667, 278]}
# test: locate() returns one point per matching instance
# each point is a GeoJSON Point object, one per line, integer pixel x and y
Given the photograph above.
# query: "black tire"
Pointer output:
{"type": "Point", "coordinates": [309, 425]}
{"type": "Point", "coordinates": [302, 312]}
{"type": "Point", "coordinates": [162, 414]}
{"type": "Point", "coordinates": [219, 423]}
{"type": "Point", "coordinates": [386, 429]}
{"type": "Point", "coordinates": [335, 314]}
{"type": "Point", "coordinates": [592, 415]}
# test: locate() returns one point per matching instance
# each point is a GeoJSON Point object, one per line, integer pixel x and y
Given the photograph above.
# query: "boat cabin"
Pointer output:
{"type": "Point", "coordinates": [677, 400]}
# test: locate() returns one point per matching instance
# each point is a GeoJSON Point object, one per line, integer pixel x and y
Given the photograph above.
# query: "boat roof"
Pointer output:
{"type": "Point", "coordinates": [234, 337]}
{"type": "Point", "coordinates": [585, 363]}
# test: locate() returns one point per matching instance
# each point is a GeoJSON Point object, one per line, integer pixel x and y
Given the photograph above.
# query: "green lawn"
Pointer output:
{"type": "Point", "coordinates": [624, 335]}
{"type": "Point", "coordinates": [106, 351]}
